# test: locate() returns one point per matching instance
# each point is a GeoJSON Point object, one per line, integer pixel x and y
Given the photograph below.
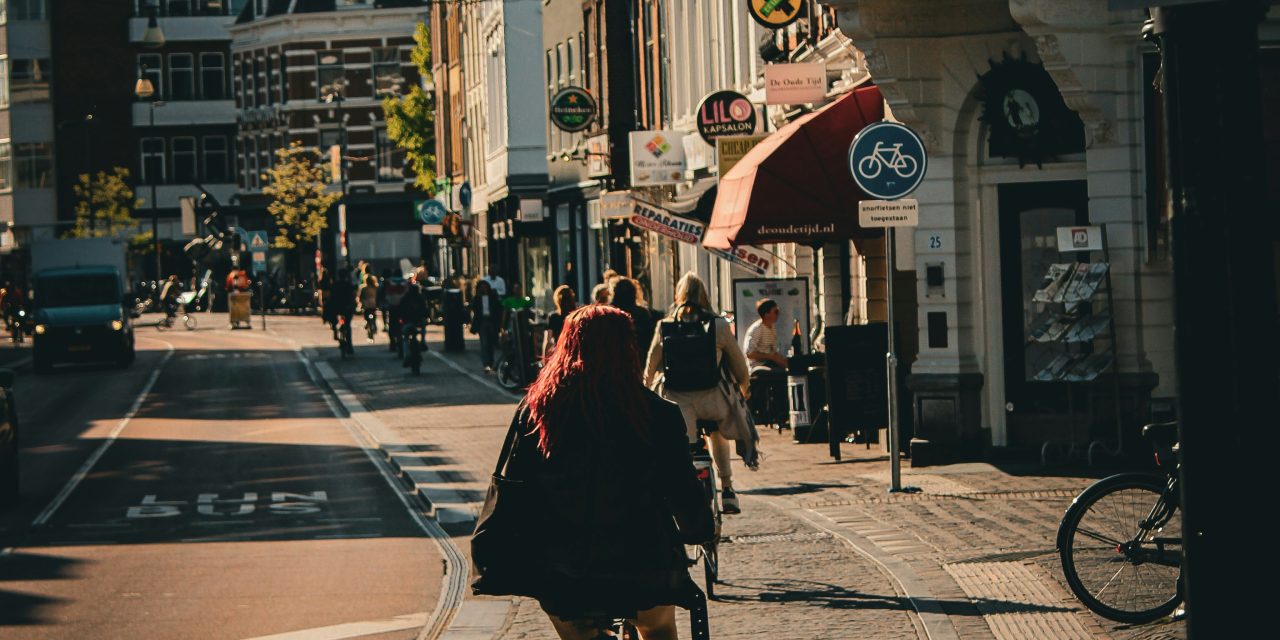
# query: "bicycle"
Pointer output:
{"type": "Point", "coordinates": [344, 336]}
{"type": "Point", "coordinates": [414, 340]}
{"type": "Point", "coordinates": [707, 553]}
{"type": "Point", "coordinates": [177, 308]}
{"type": "Point", "coordinates": [881, 157]}
{"type": "Point", "coordinates": [1120, 541]}
{"type": "Point", "coordinates": [622, 629]}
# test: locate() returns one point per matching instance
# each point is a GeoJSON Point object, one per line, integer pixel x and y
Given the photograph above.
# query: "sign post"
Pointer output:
{"type": "Point", "coordinates": [258, 248]}
{"type": "Point", "coordinates": [888, 162]}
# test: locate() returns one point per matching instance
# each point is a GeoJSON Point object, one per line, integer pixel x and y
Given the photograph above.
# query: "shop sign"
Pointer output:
{"type": "Point", "coordinates": [531, 210]}
{"type": "Point", "coordinates": [754, 259]}
{"type": "Point", "coordinates": [725, 113]}
{"type": "Point", "coordinates": [667, 224]}
{"type": "Point", "coordinates": [697, 154]}
{"type": "Point", "coordinates": [598, 164]}
{"type": "Point", "coordinates": [795, 83]}
{"type": "Point", "coordinates": [731, 149]}
{"type": "Point", "coordinates": [657, 158]}
{"type": "Point", "coordinates": [572, 109]}
{"type": "Point", "coordinates": [616, 205]}
{"type": "Point", "coordinates": [888, 213]}
{"type": "Point", "coordinates": [795, 232]}
{"type": "Point", "coordinates": [775, 14]}
{"type": "Point", "coordinates": [1079, 239]}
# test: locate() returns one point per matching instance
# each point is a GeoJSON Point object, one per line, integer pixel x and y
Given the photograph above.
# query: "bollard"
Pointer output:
{"type": "Point", "coordinates": [455, 318]}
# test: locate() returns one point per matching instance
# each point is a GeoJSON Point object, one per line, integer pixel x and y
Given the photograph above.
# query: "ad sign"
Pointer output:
{"type": "Point", "coordinates": [795, 83]}
{"type": "Point", "coordinates": [598, 164]}
{"type": "Point", "coordinates": [758, 261]}
{"type": "Point", "coordinates": [616, 205]}
{"type": "Point", "coordinates": [792, 296]}
{"type": "Point", "coordinates": [1079, 239]}
{"type": "Point", "coordinates": [657, 158]}
{"type": "Point", "coordinates": [572, 109]}
{"type": "Point", "coordinates": [667, 224]}
{"type": "Point", "coordinates": [774, 14]}
{"type": "Point", "coordinates": [731, 149]}
{"type": "Point", "coordinates": [725, 113]}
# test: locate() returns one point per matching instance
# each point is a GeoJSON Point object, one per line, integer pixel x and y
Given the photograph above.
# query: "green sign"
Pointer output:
{"type": "Point", "coordinates": [573, 109]}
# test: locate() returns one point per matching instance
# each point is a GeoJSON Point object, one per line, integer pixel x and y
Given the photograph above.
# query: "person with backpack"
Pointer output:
{"type": "Point", "coordinates": [394, 294]}
{"type": "Point", "coordinates": [686, 358]}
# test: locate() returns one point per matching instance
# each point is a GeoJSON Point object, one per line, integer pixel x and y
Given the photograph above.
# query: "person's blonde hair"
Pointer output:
{"type": "Point", "coordinates": [691, 292]}
{"type": "Point", "coordinates": [565, 298]}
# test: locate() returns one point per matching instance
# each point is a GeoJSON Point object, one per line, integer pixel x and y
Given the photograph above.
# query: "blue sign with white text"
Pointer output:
{"type": "Point", "coordinates": [887, 160]}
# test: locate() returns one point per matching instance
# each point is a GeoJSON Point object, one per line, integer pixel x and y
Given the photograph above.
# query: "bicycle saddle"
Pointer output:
{"type": "Point", "coordinates": [1161, 433]}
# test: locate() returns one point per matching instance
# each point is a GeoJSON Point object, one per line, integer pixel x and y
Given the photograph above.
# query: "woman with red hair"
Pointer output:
{"type": "Point", "coordinates": [617, 489]}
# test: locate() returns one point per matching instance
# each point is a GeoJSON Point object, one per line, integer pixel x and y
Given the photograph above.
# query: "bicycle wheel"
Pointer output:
{"type": "Point", "coordinates": [190, 321]}
{"type": "Point", "coordinates": [869, 167]}
{"type": "Point", "coordinates": [711, 550]}
{"type": "Point", "coordinates": [1121, 548]}
{"type": "Point", "coordinates": [506, 374]}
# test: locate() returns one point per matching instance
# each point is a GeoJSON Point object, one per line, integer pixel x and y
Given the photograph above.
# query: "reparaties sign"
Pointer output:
{"type": "Point", "coordinates": [667, 224]}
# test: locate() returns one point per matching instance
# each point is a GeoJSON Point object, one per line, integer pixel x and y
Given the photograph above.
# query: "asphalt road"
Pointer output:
{"type": "Point", "coordinates": [233, 504]}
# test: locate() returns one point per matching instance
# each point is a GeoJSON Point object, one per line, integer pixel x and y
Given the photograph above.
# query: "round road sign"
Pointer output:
{"type": "Point", "coordinates": [430, 211]}
{"type": "Point", "coordinates": [887, 160]}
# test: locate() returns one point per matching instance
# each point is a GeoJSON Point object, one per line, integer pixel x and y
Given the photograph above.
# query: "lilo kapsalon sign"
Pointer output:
{"type": "Point", "coordinates": [572, 109]}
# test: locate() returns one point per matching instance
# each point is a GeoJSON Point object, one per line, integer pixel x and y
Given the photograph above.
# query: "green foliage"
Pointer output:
{"type": "Point", "coordinates": [411, 118]}
{"type": "Point", "coordinates": [104, 206]}
{"type": "Point", "coordinates": [297, 185]}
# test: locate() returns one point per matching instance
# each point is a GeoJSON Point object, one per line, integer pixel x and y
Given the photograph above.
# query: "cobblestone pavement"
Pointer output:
{"type": "Point", "coordinates": [821, 551]}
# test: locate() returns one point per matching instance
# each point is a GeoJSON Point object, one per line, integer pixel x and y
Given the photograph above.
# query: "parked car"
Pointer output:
{"type": "Point", "coordinates": [8, 440]}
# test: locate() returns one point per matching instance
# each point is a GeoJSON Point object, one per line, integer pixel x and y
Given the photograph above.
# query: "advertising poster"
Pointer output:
{"type": "Point", "coordinates": [792, 296]}
{"type": "Point", "coordinates": [730, 149]}
{"type": "Point", "coordinates": [657, 158]}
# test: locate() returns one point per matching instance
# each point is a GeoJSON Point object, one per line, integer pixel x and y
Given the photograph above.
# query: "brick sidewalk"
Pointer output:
{"type": "Point", "coordinates": [821, 549]}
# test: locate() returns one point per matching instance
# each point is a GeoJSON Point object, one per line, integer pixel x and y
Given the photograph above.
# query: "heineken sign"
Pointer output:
{"type": "Point", "coordinates": [573, 109]}
{"type": "Point", "coordinates": [725, 113]}
{"type": "Point", "coordinates": [774, 14]}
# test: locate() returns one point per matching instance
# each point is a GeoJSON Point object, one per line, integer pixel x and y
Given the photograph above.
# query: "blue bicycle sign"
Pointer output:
{"type": "Point", "coordinates": [887, 160]}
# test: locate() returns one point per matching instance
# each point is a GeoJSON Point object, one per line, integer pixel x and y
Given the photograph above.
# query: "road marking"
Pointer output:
{"type": "Point", "coordinates": [5, 552]}
{"type": "Point", "coordinates": [353, 629]}
{"type": "Point", "coordinates": [454, 581]}
{"type": "Point", "coordinates": [347, 536]}
{"type": "Point", "coordinates": [102, 448]}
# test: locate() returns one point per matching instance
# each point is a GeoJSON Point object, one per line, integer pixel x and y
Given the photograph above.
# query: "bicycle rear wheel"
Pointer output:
{"type": "Point", "coordinates": [507, 374]}
{"type": "Point", "coordinates": [1121, 548]}
{"type": "Point", "coordinates": [190, 321]}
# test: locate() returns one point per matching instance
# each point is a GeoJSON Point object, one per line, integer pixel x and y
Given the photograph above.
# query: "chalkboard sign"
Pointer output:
{"type": "Point", "coordinates": [857, 394]}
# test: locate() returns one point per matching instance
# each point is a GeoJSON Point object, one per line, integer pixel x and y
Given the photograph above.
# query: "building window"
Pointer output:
{"type": "Point", "coordinates": [284, 78]}
{"type": "Point", "coordinates": [213, 76]}
{"type": "Point", "coordinates": [153, 161]}
{"type": "Point", "coordinates": [329, 70]}
{"type": "Point", "coordinates": [182, 77]}
{"type": "Point", "coordinates": [251, 162]}
{"type": "Point", "coordinates": [25, 9]}
{"type": "Point", "coordinates": [269, 83]}
{"type": "Point", "coordinates": [149, 66]}
{"type": "Point", "coordinates": [387, 78]}
{"type": "Point", "coordinates": [390, 158]}
{"type": "Point", "coordinates": [4, 82]}
{"type": "Point", "coordinates": [177, 7]}
{"type": "Point", "coordinates": [260, 78]}
{"type": "Point", "coordinates": [6, 166]}
{"type": "Point", "coordinates": [29, 80]}
{"type": "Point", "coordinates": [34, 165]}
{"type": "Point", "coordinates": [215, 159]}
{"type": "Point", "coordinates": [248, 92]}
{"type": "Point", "coordinates": [184, 160]}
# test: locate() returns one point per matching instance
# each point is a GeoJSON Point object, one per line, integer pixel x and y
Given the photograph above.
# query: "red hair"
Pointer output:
{"type": "Point", "coordinates": [594, 372]}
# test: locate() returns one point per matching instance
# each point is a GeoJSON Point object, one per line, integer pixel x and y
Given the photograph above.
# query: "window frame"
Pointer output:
{"type": "Point", "coordinates": [193, 153]}
{"type": "Point", "coordinates": [323, 69]}
{"type": "Point", "coordinates": [29, 163]}
{"type": "Point", "coordinates": [220, 68]}
{"type": "Point", "coordinates": [205, 161]}
{"type": "Point", "coordinates": [6, 165]}
{"type": "Point", "coordinates": [173, 71]}
{"type": "Point", "coordinates": [154, 156]}
{"type": "Point", "coordinates": [394, 63]}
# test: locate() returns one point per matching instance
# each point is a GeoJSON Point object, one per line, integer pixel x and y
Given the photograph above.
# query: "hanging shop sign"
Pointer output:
{"type": "Point", "coordinates": [616, 205]}
{"type": "Point", "coordinates": [795, 83]}
{"type": "Point", "coordinates": [667, 224]}
{"type": "Point", "coordinates": [1027, 117]}
{"type": "Point", "coordinates": [531, 210]}
{"type": "Point", "coordinates": [775, 14]}
{"type": "Point", "coordinates": [572, 109]}
{"type": "Point", "coordinates": [598, 165]}
{"type": "Point", "coordinates": [725, 113]}
{"type": "Point", "coordinates": [887, 160]}
{"type": "Point", "coordinates": [731, 149]}
{"type": "Point", "coordinates": [753, 259]}
{"type": "Point", "coordinates": [429, 211]}
{"type": "Point", "coordinates": [657, 157]}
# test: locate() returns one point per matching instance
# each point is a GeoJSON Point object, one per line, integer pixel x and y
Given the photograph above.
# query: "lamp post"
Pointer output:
{"type": "Point", "coordinates": [335, 94]}
{"type": "Point", "coordinates": [145, 90]}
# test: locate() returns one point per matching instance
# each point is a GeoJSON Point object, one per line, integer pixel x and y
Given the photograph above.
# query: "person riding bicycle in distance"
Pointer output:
{"type": "Point", "coordinates": [690, 348]}
{"type": "Point", "coordinates": [342, 297]}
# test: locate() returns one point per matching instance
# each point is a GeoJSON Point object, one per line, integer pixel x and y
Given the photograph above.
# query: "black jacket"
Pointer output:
{"type": "Point", "coordinates": [495, 310]}
{"type": "Point", "coordinates": [618, 512]}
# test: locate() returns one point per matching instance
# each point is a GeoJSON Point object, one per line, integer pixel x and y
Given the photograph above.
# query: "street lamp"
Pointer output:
{"type": "Point", "coordinates": [153, 36]}
{"type": "Point", "coordinates": [335, 94]}
{"type": "Point", "coordinates": [145, 90]}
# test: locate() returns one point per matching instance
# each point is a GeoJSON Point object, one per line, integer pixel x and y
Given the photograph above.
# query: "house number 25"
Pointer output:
{"type": "Point", "coordinates": [935, 241]}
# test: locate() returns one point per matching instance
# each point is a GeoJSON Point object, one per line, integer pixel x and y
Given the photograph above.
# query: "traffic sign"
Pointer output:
{"type": "Point", "coordinates": [464, 195]}
{"type": "Point", "coordinates": [258, 240]}
{"type": "Point", "coordinates": [888, 213]}
{"type": "Point", "coordinates": [887, 160]}
{"type": "Point", "coordinates": [429, 211]}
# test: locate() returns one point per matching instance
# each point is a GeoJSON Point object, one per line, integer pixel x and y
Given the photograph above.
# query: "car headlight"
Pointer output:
{"type": "Point", "coordinates": [40, 329]}
{"type": "Point", "coordinates": [117, 325]}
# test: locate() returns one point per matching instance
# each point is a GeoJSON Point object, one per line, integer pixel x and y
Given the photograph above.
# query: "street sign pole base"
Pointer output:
{"type": "Point", "coordinates": [906, 490]}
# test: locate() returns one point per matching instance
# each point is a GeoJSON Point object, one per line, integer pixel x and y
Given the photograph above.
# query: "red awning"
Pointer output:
{"type": "Point", "coordinates": [795, 185]}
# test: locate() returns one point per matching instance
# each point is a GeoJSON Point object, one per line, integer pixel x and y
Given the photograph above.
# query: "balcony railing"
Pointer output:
{"type": "Point", "coordinates": [183, 8]}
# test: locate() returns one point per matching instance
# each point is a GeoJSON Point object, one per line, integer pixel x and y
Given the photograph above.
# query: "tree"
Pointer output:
{"type": "Point", "coordinates": [105, 206]}
{"type": "Point", "coordinates": [411, 118]}
{"type": "Point", "coordinates": [297, 185]}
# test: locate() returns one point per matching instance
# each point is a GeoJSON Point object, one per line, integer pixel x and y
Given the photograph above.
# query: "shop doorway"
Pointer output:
{"type": "Point", "coordinates": [1029, 215]}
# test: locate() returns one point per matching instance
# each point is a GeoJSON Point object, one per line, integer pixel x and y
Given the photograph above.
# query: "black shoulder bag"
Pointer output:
{"type": "Point", "coordinates": [505, 555]}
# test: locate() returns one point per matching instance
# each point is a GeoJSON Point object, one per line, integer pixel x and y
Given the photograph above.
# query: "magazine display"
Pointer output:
{"type": "Point", "coordinates": [1069, 324]}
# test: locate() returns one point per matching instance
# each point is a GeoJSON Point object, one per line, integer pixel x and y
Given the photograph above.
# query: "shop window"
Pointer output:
{"type": "Point", "coordinates": [26, 9]}
{"type": "Point", "coordinates": [1159, 203]}
{"type": "Point", "coordinates": [33, 162]}
{"type": "Point", "coordinates": [177, 8]}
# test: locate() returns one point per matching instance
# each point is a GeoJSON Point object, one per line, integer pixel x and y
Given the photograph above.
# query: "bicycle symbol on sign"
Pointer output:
{"type": "Point", "coordinates": [903, 165]}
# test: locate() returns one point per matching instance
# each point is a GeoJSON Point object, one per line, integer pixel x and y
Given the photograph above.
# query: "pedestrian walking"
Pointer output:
{"type": "Point", "coordinates": [600, 294]}
{"type": "Point", "coordinates": [607, 492]}
{"type": "Point", "coordinates": [694, 361]}
{"type": "Point", "coordinates": [495, 281]}
{"type": "Point", "coordinates": [566, 301]}
{"type": "Point", "coordinates": [486, 321]}
{"type": "Point", "coordinates": [625, 295]}
{"type": "Point", "coordinates": [369, 303]}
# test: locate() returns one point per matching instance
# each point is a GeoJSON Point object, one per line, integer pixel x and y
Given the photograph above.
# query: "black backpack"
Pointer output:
{"type": "Point", "coordinates": [689, 353]}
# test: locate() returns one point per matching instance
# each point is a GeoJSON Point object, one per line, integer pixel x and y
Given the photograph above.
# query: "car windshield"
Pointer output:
{"type": "Point", "coordinates": [72, 291]}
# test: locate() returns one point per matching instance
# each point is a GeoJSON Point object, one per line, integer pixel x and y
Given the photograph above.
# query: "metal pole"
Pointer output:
{"type": "Point", "coordinates": [891, 367]}
{"type": "Point", "coordinates": [155, 212]}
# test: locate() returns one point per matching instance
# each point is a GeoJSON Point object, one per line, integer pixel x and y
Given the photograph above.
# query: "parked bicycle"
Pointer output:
{"type": "Point", "coordinates": [1121, 539]}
